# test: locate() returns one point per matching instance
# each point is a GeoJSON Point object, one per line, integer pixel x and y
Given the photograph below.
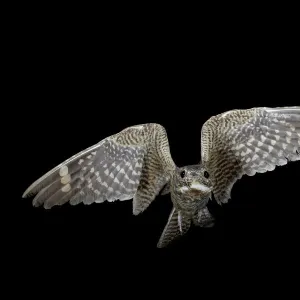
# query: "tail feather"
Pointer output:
{"type": "Point", "coordinates": [178, 224]}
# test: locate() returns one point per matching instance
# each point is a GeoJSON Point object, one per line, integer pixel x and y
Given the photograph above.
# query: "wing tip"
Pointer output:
{"type": "Point", "coordinates": [284, 109]}
{"type": "Point", "coordinates": [160, 245]}
{"type": "Point", "coordinates": [27, 193]}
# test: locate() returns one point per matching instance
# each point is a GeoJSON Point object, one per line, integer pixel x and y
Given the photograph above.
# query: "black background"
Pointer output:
{"type": "Point", "coordinates": [82, 78]}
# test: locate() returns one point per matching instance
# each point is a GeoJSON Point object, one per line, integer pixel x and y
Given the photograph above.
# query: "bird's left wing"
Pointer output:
{"type": "Point", "coordinates": [246, 142]}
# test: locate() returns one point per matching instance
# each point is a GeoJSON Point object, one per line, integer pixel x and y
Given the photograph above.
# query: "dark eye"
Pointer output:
{"type": "Point", "coordinates": [206, 175]}
{"type": "Point", "coordinates": [182, 174]}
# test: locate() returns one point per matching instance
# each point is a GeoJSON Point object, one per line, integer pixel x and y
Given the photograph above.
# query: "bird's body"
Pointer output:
{"type": "Point", "coordinates": [136, 164]}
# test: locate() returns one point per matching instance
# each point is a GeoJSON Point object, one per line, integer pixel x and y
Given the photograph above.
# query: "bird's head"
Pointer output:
{"type": "Point", "coordinates": [191, 187]}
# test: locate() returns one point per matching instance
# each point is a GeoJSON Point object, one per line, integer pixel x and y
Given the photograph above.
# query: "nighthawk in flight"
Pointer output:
{"type": "Point", "coordinates": [136, 164]}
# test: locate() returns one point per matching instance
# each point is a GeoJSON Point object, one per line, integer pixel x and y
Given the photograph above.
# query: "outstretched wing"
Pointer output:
{"type": "Point", "coordinates": [134, 163]}
{"type": "Point", "coordinates": [251, 141]}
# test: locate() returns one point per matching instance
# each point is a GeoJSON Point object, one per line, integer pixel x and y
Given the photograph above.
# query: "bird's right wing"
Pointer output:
{"type": "Point", "coordinates": [134, 163]}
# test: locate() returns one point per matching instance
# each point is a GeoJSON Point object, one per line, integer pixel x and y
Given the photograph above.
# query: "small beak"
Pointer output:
{"type": "Point", "coordinates": [199, 187]}
{"type": "Point", "coordinates": [184, 189]}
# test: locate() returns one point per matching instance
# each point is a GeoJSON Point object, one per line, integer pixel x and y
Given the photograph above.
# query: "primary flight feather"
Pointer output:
{"type": "Point", "coordinates": [136, 164]}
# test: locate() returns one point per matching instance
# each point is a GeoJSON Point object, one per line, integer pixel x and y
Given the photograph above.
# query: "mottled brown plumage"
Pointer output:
{"type": "Point", "coordinates": [136, 164]}
{"type": "Point", "coordinates": [246, 142]}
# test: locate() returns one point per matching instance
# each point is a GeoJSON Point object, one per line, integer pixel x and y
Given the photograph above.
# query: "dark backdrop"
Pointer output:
{"type": "Point", "coordinates": [80, 85]}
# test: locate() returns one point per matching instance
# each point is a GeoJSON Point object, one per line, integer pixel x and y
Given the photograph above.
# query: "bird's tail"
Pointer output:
{"type": "Point", "coordinates": [178, 225]}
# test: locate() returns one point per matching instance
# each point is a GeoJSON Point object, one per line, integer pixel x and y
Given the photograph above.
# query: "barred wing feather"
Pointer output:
{"type": "Point", "coordinates": [246, 142]}
{"type": "Point", "coordinates": [132, 164]}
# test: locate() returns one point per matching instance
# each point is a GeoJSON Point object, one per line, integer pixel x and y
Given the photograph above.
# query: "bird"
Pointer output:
{"type": "Point", "coordinates": [136, 164]}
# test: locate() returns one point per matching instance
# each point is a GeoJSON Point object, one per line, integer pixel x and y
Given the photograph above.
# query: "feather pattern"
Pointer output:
{"type": "Point", "coordinates": [203, 218]}
{"type": "Point", "coordinates": [246, 142]}
{"type": "Point", "coordinates": [132, 164]}
{"type": "Point", "coordinates": [136, 164]}
{"type": "Point", "coordinates": [177, 225]}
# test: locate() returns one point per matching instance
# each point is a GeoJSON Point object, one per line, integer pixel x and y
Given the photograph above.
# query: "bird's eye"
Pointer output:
{"type": "Point", "coordinates": [182, 174]}
{"type": "Point", "coordinates": [206, 175]}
